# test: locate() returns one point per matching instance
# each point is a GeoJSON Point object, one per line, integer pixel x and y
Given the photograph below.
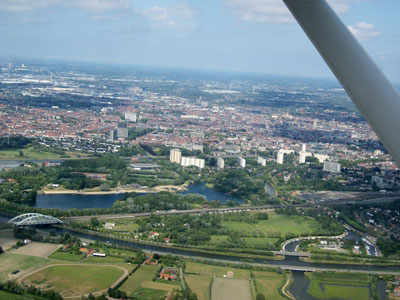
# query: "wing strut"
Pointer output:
{"type": "Point", "coordinates": [366, 85]}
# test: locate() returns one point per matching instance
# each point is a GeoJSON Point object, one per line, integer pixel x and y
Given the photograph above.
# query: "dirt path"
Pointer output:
{"type": "Point", "coordinates": [98, 293]}
{"type": "Point", "coordinates": [287, 293]}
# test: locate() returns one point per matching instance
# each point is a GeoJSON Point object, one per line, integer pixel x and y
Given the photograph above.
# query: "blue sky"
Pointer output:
{"type": "Point", "coordinates": [234, 35]}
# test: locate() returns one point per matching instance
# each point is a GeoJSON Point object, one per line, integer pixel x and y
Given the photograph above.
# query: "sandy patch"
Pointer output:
{"type": "Point", "coordinates": [37, 249]}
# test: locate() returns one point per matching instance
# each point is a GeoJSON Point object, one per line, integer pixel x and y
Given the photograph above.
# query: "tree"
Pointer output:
{"type": "Point", "coordinates": [260, 296]}
{"type": "Point", "coordinates": [94, 222]}
{"type": "Point", "coordinates": [1, 250]}
{"type": "Point", "coordinates": [21, 153]}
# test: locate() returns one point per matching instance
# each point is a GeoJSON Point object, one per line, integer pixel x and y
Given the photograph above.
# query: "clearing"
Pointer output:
{"type": "Point", "coordinates": [37, 249]}
{"type": "Point", "coordinates": [230, 289]}
{"type": "Point", "coordinates": [75, 280]}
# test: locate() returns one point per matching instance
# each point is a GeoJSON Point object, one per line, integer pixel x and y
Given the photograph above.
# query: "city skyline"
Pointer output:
{"type": "Point", "coordinates": [244, 36]}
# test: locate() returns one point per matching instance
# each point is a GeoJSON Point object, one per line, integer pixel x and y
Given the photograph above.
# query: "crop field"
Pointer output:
{"type": "Point", "coordinates": [74, 280]}
{"type": "Point", "coordinates": [7, 239]}
{"type": "Point", "coordinates": [210, 270]}
{"type": "Point", "coordinates": [268, 284]}
{"type": "Point", "coordinates": [134, 282]}
{"type": "Point", "coordinates": [10, 262]}
{"type": "Point", "coordinates": [199, 284]}
{"type": "Point", "coordinates": [230, 289]}
{"type": "Point", "coordinates": [37, 249]}
{"type": "Point", "coordinates": [277, 224]}
{"type": "Point", "coordinates": [326, 285]}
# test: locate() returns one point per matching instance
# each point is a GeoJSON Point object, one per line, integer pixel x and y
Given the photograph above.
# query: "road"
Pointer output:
{"type": "Point", "coordinates": [384, 198]}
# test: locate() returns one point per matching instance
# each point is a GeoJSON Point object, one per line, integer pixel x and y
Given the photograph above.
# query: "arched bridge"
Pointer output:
{"type": "Point", "coordinates": [34, 219]}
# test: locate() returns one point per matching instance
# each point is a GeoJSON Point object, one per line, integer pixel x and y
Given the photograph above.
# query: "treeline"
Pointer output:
{"type": "Point", "coordinates": [36, 293]}
{"type": "Point", "coordinates": [14, 142]}
{"type": "Point", "coordinates": [101, 164]}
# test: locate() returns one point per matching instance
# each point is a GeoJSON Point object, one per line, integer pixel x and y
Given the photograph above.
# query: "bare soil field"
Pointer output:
{"type": "Point", "coordinates": [37, 249]}
{"type": "Point", "coordinates": [230, 289]}
{"type": "Point", "coordinates": [7, 239]}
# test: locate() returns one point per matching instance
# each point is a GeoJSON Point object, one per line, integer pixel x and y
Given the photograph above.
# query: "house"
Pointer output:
{"type": "Point", "coordinates": [109, 226]}
{"type": "Point", "coordinates": [83, 250]}
{"type": "Point", "coordinates": [167, 240]}
{"type": "Point", "coordinates": [169, 274]}
{"type": "Point", "coordinates": [154, 234]}
{"type": "Point", "coordinates": [396, 291]}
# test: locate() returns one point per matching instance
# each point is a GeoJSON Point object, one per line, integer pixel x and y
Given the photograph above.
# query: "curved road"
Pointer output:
{"type": "Point", "coordinates": [97, 293]}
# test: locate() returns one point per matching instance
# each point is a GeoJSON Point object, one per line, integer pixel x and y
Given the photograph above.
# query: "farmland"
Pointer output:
{"type": "Point", "coordinates": [230, 289]}
{"type": "Point", "coordinates": [200, 284]}
{"type": "Point", "coordinates": [268, 284]}
{"type": "Point", "coordinates": [210, 270]}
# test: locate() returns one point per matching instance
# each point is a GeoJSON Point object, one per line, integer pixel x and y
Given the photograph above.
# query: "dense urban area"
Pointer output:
{"type": "Point", "coordinates": [174, 184]}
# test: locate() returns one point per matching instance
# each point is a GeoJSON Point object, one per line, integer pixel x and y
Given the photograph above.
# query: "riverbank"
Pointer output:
{"type": "Point", "coordinates": [156, 189]}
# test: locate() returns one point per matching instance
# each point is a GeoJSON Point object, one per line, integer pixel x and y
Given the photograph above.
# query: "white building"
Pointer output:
{"type": "Point", "coordinates": [303, 156]}
{"type": "Point", "coordinates": [281, 154]}
{"type": "Point", "coordinates": [220, 163]}
{"type": "Point", "coordinates": [193, 161]}
{"type": "Point", "coordinates": [321, 157]}
{"type": "Point", "coordinates": [262, 161]}
{"type": "Point", "coordinates": [242, 162]}
{"type": "Point", "coordinates": [332, 167]}
{"type": "Point", "coordinates": [130, 116]}
{"type": "Point", "coordinates": [175, 156]}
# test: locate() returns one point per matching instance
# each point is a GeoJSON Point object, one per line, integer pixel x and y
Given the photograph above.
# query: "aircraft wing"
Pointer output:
{"type": "Point", "coordinates": [376, 98]}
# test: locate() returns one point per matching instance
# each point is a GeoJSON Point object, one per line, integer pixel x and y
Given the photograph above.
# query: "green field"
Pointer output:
{"type": "Point", "coordinates": [105, 260]}
{"type": "Point", "coordinates": [29, 153]}
{"type": "Point", "coordinates": [134, 282]}
{"type": "Point", "coordinates": [210, 270]}
{"type": "Point", "coordinates": [75, 280]}
{"type": "Point", "coordinates": [259, 241]}
{"type": "Point", "coordinates": [61, 255]}
{"type": "Point", "coordinates": [10, 262]}
{"type": "Point", "coordinates": [276, 224]}
{"type": "Point", "coordinates": [340, 288]}
{"type": "Point", "coordinates": [148, 294]}
{"type": "Point", "coordinates": [268, 284]}
{"type": "Point", "coordinates": [200, 285]}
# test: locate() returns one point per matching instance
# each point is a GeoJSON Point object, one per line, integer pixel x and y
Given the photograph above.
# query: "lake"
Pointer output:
{"type": "Point", "coordinates": [70, 201]}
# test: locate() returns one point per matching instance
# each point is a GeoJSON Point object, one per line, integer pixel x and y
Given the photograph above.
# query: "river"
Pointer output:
{"type": "Point", "coordinates": [80, 201]}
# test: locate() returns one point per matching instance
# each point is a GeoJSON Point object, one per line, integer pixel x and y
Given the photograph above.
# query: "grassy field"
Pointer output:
{"type": "Point", "coordinates": [268, 284]}
{"type": "Point", "coordinates": [10, 262]}
{"type": "Point", "coordinates": [105, 260]}
{"type": "Point", "coordinates": [340, 288]}
{"type": "Point", "coordinates": [200, 284]}
{"type": "Point", "coordinates": [148, 294]}
{"type": "Point", "coordinates": [61, 255]}
{"type": "Point", "coordinates": [259, 241]}
{"type": "Point", "coordinates": [277, 224]}
{"type": "Point", "coordinates": [29, 153]}
{"type": "Point", "coordinates": [75, 280]}
{"type": "Point", "coordinates": [134, 282]}
{"type": "Point", "coordinates": [210, 270]}
{"type": "Point", "coordinates": [230, 289]}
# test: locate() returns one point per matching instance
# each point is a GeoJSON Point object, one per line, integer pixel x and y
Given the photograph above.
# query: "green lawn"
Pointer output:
{"type": "Point", "coordinates": [210, 270]}
{"type": "Point", "coordinates": [143, 274]}
{"type": "Point", "coordinates": [148, 294]}
{"type": "Point", "coordinates": [277, 224]}
{"type": "Point", "coordinates": [339, 290]}
{"type": "Point", "coordinates": [218, 239]}
{"type": "Point", "coordinates": [61, 255]}
{"type": "Point", "coordinates": [29, 153]}
{"type": "Point", "coordinates": [268, 284]}
{"type": "Point", "coordinates": [106, 260]}
{"type": "Point", "coordinates": [10, 262]}
{"type": "Point", "coordinates": [75, 280]}
{"type": "Point", "coordinates": [200, 285]}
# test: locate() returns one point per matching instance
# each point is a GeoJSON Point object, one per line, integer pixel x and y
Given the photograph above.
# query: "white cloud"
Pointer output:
{"type": "Point", "coordinates": [272, 10]}
{"type": "Point", "coordinates": [181, 15]}
{"type": "Point", "coordinates": [25, 5]}
{"type": "Point", "coordinates": [92, 6]}
{"type": "Point", "coordinates": [364, 31]}
{"type": "Point", "coordinates": [100, 6]}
